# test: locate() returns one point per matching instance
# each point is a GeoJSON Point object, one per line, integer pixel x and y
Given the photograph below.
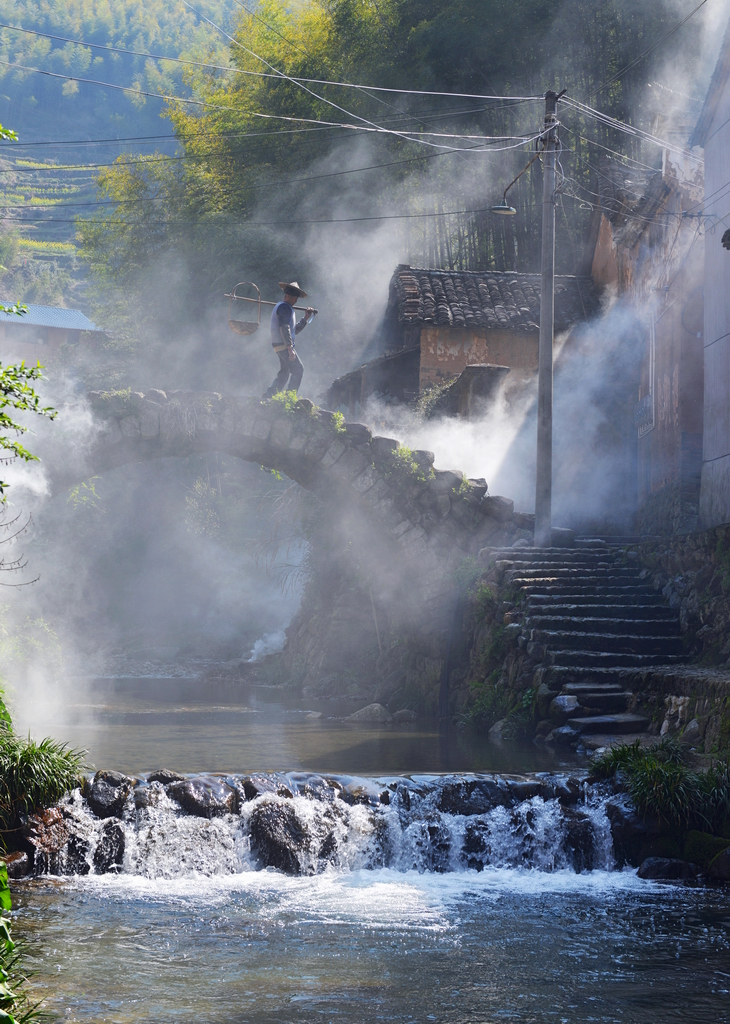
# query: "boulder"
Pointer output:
{"type": "Point", "coordinates": [692, 734]}
{"type": "Point", "coordinates": [475, 849]}
{"type": "Point", "coordinates": [404, 715]}
{"type": "Point", "coordinates": [357, 433]}
{"type": "Point", "coordinates": [204, 797]}
{"type": "Point", "coordinates": [719, 868]}
{"type": "Point", "coordinates": [563, 736]}
{"type": "Point", "coordinates": [76, 861]}
{"type": "Point", "coordinates": [668, 868]}
{"type": "Point", "coordinates": [165, 776]}
{"type": "Point", "coordinates": [46, 832]}
{"type": "Point", "coordinates": [497, 507]}
{"type": "Point", "coordinates": [636, 838]}
{"type": "Point", "coordinates": [495, 733]}
{"type": "Point", "coordinates": [374, 713]}
{"type": "Point", "coordinates": [277, 837]}
{"type": "Point", "coordinates": [109, 852]}
{"type": "Point", "coordinates": [563, 707]}
{"type": "Point", "coordinates": [108, 794]}
{"type": "Point", "coordinates": [253, 786]}
{"type": "Point", "coordinates": [18, 864]}
{"type": "Point", "coordinates": [474, 796]}
{"type": "Point", "coordinates": [544, 694]}
{"type": "Point", "coordinates": [578, 840]}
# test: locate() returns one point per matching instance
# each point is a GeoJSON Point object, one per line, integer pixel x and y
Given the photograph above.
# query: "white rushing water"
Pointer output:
{"type": "Point", "coordinates": [307, 824]}
{"type": "Point", "coordinates": [457, 899]}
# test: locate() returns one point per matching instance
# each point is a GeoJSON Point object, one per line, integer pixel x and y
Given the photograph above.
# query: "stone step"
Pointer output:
{"type": "Point", "coordinates": [635, 612]}
{"type": "Point", "coordinates": [557, 677]}
{"type": "Point", "coordinates": [611, 659]}
{"type": "Point", "coordinates": [576, 689]}
{"type": "Point", "coordinates": [610, 724]}
{"type": "Point", "coordinates": [618, 627]}
{"type": "Point", "coordinates": [587, 589]}
{"type": "Point", "coordinates": [585, 584]}
{"type": "Point", "coordinates": [558, 554]}
{"type": "Point", "coordinates": [587, 564]}
{"type": "Point", "coordinates": [599, 740]}
{"type": "Point", "coordinates": [598, 575]}
{"type": "Point", "coordinates": [617, 600]}
{"type": "Point", "coordinates": [608, 642]}
{"type": "Point", "coordinates": [596, 701]}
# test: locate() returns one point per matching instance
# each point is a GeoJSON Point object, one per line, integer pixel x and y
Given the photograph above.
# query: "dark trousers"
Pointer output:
{"type": "Point", "coordinates": [287, 368]}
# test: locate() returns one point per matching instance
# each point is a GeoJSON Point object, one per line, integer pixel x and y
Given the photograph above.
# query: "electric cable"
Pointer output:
{"type": "Point", "coordinates": [623, 156]}
{"type": "Point", "coordinates": [267, 185]}
{"type": "Point", "coordinates": [367, 126]}
{"type": "Point", "coordinates": [262, 74]}
{"type": "Point", "coordinates": [372, 125]}
{"type": "Point", "coordinates": [637, 60]}
{"type": "Point", "coordinates": [286, 223]}
{"type": "Point", "coordinates": [613, 122]}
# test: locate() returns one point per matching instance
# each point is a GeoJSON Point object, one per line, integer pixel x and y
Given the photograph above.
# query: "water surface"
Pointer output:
{"type": "Point", "coordinates": [198, 933]}
{"type": "Point", "coordinates": [135, 725]}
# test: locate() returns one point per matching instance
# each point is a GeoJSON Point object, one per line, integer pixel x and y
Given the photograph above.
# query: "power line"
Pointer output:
{"type": "Point", "coordinates": [628, 129]}
{"type": "Point", "coordinates": [261, 74]}
{"type": "Point", "coordinates": [271, 28]}
{"type": "Point", "coordinates": [286, 223]}
{"type": "Point", "coordinates": [266, 185]}
{"type": "Point", "coordinates": [638, 60]}
{"type": "Point", "coordinates": [367, 126]}
{"type": "Point", "coordinates": [623, 156]}
{"type": "Point", "coordinates": [371, 125]}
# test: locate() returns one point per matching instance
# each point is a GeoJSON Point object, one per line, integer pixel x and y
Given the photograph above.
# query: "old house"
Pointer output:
{"type": "Point", "coordinates": [647, 253]}
{"type": "Point", "coordinates": [41, 330]}
{"type": "Point", "coordinates": [712, 133]}
{"type": "Point", "coordinates": [438, 322]}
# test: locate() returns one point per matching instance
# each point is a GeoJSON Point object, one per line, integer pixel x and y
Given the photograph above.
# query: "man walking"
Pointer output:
{"type": "Point", "coordinates": [283, 329]}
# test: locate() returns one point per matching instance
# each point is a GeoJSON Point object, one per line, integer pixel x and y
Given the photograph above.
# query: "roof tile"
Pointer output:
{"type": "Point", "coordinates": [488, 299]}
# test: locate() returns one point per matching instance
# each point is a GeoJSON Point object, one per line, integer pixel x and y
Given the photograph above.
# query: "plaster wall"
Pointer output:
{"type": "Point", "coordinates": [446, 351]}
{"type": "Point", "coordinates": [32, 343]}
{"type": "Point", "coordinates": [715, 482]}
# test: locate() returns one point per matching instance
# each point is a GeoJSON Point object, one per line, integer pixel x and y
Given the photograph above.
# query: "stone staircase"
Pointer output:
{"type": "Point", "coordinates": [592, 623]}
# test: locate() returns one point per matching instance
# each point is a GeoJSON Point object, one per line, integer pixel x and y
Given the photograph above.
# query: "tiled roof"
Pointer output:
{"type": "Point", "coordinates": [50, 316]}
{"type": "Point", "coordinates": [487, 299]}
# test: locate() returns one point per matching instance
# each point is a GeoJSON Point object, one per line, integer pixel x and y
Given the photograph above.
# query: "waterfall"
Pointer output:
{"type": "Point", "coordinates": [305, 824]}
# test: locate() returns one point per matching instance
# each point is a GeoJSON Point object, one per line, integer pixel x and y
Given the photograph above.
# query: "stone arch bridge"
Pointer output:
{"type": "Point", "coordinates": [414, 524]}
{"type": "Point", "coordinates": [433, 516]}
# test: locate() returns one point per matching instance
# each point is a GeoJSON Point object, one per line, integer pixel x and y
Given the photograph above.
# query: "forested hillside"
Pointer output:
{"type": "Point", "coordinates": [283, 167]}
{"type": "Point", "coordinates": [287, 173]}
{"type": "Point", "coordinates": [45, 172]}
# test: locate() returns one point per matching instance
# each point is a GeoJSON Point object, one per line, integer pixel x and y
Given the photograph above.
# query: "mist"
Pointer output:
{"type": "Point", "coordinates": [130, 580]}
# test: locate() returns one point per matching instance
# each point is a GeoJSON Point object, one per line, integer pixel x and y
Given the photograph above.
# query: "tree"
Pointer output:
{"type": "Point", "coordinates": [16, 391]}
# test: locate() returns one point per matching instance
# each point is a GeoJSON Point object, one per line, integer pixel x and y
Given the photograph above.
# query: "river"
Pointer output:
{"type": "Point", "coordinates": [394, 926]}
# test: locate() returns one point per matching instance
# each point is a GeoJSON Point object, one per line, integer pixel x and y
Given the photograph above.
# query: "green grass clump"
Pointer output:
{"type": "Point", "coordinates": [661, 785]}
{"type": "Point", "coordinates": [701, 847]}
{"type": "Point", "coordinates": [15, 1006]}
{"type": "Point", "coordinates": [34, 776]}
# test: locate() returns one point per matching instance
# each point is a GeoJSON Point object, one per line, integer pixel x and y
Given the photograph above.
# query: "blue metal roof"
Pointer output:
{"type": "Point", "coordinates": [50, 316]}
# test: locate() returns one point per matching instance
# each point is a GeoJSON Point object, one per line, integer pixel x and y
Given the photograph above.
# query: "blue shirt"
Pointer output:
{"type": "Point", "coordinates": [282, 315]}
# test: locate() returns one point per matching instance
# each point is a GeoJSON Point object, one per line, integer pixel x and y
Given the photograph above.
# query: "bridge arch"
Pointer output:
{"type": "Point", "coordinates": [417, 522]}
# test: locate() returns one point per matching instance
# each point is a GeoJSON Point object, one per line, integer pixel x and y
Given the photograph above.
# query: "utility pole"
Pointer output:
{"type": "Point", "coordinates": [544, 475]}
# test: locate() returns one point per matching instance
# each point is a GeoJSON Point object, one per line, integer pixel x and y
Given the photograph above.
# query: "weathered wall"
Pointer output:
{"type": "Point", "coordinates": [715, 488]}
{"type": "Point", "coordinates": [646, 250]}
{"type": "Point", "coordinates": [446, 351]}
